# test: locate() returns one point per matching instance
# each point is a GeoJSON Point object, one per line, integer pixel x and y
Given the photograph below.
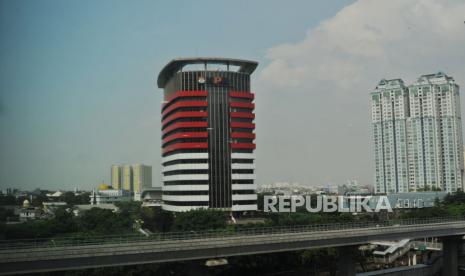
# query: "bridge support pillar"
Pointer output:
{"type": "Point", "coordinates": [450, 249]}
{"type": "Point", "coordinates": [346, 261]}
{"type": "Point", "coordinates": [412, 258]}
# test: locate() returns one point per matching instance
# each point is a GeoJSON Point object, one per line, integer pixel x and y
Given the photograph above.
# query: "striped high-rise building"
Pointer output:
{"type": "Point", "coordinates": [208, 134]}
{"type": "Point", "coordinates": [417, 135]}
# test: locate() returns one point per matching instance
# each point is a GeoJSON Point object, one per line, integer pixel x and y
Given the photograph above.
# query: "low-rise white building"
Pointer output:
{"type": "Point", "coordinates": [51, 207]}
{"type": "Point", "coordinates": [81, 208]}
{"type": "Point", "coordinates": [151, 197]}
{"type": "Point", "coordinates": [28, 212]}
{"type": "Point", "coordinates": [109, 196]}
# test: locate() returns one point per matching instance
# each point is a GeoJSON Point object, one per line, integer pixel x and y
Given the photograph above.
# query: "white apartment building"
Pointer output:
{"type": "Point", "coordinates": [389, 103]}
{"type": "Point", "coordinates": [417, 135]}
{"type": "Point", "coordinates": [436, 146]}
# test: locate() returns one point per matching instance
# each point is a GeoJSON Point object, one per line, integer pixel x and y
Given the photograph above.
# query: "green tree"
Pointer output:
{"type": "Point", "coordinates": [200, 219]}
{"type": "Point", "coordinates": [7, 200]}
{"type": "Point", "coordinates": [5, 214]}
{"type": "Point", "coordinates": [131, 208]}
{"type": "Point", "coordinates": [318, 259]}
{"type": "Point", "coordinates": [456, 209]}
{"type": "Point", "coordinates": [457, 197]}
{"type": "Point", "coordinates": [64, 221]}
{"type": "Point", "coordinates": [38, 199]}
{"type": "Point", "coordinates": [103, 221]}
{"type": "Point", "coordinates": [156, 219]}
{"type": "Point", "coordinates": [69, 198]}
{"type": "Point", "coordinates": [436, 211]}
{"type": "Point", "coordinates": [298, 218]}
{"type": "Point", "coordinates": [82, 198]}
{"type": "Point", "coordinates": [264, 264]}
{"type": "Point", "coordinates": [29, 230]}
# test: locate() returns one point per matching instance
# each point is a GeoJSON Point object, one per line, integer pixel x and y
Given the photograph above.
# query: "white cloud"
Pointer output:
{"type": "Point", "coordinates": [373, 39]}
{"type": "Point", "coordinates": [313, 94]}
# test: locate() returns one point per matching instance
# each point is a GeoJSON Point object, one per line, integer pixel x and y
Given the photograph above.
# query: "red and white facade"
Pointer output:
{"type": "Point", "coordinates": [208, 138]}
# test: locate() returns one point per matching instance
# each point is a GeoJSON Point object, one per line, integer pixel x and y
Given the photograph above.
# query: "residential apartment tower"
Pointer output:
{"type": "Point", "coordinates": [417, 133]}
{"type": "Point", "coordinates": [133, 178]}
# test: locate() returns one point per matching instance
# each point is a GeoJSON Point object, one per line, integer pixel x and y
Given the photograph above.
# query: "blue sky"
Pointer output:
{"type": "Point", "coordinates": [77, 78]}
{"type": "Point", "coordinates": [78, 93]}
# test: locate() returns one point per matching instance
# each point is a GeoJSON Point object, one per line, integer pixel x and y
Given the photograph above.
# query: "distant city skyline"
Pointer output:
{"type": "Point", "coordinates": [77, 80]}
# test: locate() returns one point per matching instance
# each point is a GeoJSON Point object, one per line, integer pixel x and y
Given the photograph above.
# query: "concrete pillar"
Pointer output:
{"type": "Point", "coordinates": [450, 249]}
{"type": "Point", "coordinates": [346, 261]}
{"type": "Point", "coordinates": [412, 258]}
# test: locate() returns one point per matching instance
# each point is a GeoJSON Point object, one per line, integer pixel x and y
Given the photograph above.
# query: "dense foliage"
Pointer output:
{"type": "Point", "coordinates": [93, 222]}
{"type": "Point", "coordinates": [200, 220]}
{"type": "Point", "coordinates": [99, 222]}
{"type": "Point", "coordinates": [452, 205]}
{"type": "Point", "coordinates": [106, 222]}
{"type": "Point", "coordinates": [40, 196]}
{"type": "Point", "coordinates": [8, 200]}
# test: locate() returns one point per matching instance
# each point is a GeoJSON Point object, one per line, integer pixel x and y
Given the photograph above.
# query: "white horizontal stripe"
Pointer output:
{"type": "Point", "coordinates": [244, 197]}
{"type": "Point", "coordinates": [185, 197]}
{"type": "Point", "coordinates": [244, 187]}
{"type": "Point", "coordinates": [240, 176]}
{"type": "Point", "coordinates": [185, 167]}
{"type": "Point", "coordinates": [185, 177]}
{"type": "Point", "coordinates": [242, 166]}
{"type": "Point", "coordinates": [251, 207]}
{"type": "Point", "coordinates": [185, 187]}
{"type": "Point", "coordinates": [180, 156]}
{"type": "Point", "coordinates": [237, 155]}
{"type": "Point", "coordinates": [173, 208]}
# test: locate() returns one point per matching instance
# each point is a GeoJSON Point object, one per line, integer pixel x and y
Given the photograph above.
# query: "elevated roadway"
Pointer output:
{"type": "Point", "coordinates": [26, 256]}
